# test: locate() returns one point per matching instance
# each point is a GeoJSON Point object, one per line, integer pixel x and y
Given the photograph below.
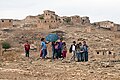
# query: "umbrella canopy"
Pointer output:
{"type": "Point", "coordinates": [52, 37]}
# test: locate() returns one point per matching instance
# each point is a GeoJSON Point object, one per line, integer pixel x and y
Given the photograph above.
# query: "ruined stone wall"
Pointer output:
{"type": "Point", "coordinates": [117, 26]}
{"type": "Point", "coordinates": [105, 24]}
{"type": "Point", "coordinates": [108, 25]}
{"type": "Point", "coordinates": [76, 20]}
{"type": "Point", "coordinates": [85, 20]}
{"type": "Point", "coordinates": [42, 25]}
{"type": "Point", "coordinates": [50, 19]}
{"type": "Point", "coordinates": [50, 23]}
{"type": "Point", "coordinates": [6, 23]}
{"type": "Point", "coordinates": [31, 20]}
{"type": "Point", "coordinates": [17, 23]}
{"type": "Point", "coordinates": [114, 28]}
{"type": "Point", "coordinates": [49, 14]}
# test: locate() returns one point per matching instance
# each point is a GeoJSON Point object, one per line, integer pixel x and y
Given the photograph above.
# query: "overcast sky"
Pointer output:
{"type": "Point", "coordinates": [97, 10]}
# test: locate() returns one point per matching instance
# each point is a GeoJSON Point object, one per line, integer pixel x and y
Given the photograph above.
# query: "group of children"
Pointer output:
{"type": "Point", "coordinates": [59, 50]}
{"type": "Point", "coordinates": [79, 51]}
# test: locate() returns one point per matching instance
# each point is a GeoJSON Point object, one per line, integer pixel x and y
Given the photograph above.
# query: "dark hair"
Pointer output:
{"type": "Point", "coordinates": [84, 41]}
{"type": "Point", "coordinates": [64, 43]}
{"type": "Point", "coordinates": [74, 42]}
{"type": "Point", "coordinates": [77, 46]}
{"type": "Point", "coordinates": [53, 42]}
{"type": "Point", "coordinates": [80, 43]}
{"type": "Point", "coordinates": [27, 41]}
{"type": "Point", "coordinates": [42, 39]}
{"type": "Point", "coordinates": [61, 39]}
{"type": "Point", "coordinates": [57, 42]}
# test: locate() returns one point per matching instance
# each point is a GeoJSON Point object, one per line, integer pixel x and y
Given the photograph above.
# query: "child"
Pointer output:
{"type": "Point", "coordinates": [53, 50]}
{"type": "Point", "coordinates": [77, 49]}
{"type": "Point", "coordinates": [27, 48]}
{"type": "Point", "coordinates": [64, 51]}
{"type": "Point", "coordinates": [73, 51]}
{"type": "Point", "coordinates": [56, 50]}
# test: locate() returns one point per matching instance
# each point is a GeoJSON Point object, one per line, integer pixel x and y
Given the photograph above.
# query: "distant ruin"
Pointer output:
{"type": "Point", "coordinates": [107, 25]}
{"type": "Point", "coordinates": [50, 20]}
{"type": "Point", "coordinates": [47, 20]}
{"type": "Point", "coordinates": [6, 23]}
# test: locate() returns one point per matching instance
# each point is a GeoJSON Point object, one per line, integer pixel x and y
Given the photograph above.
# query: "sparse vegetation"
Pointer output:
{"type": "Point", "coordinates": [6, 45]}
{"type": "Point", "coordinates": [68, 19]}
{"type": "Point", "coordinates": [41, 17]}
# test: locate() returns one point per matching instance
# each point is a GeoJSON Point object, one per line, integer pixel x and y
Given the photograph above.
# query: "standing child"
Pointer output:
{"type": "Point", "coordinates": [73, 51]}
{"type": "Point", "coordinates": [27, 48]}
{"type": "Point", "coordinates": [77, 49]}
{"type": "Point", "coordinates": [64, 51]}
{"type": "Point", "coordinates": [56, 50]}
{"type": "Point", "coordinates": [53, 50]}
{"type": "Point", "coordinates": [81, 52]}
{"type": "Point", "coordinates": [60, 48]}
{"type": "Point", "coordinates": [43, 48]}
{"type": "Point", "coordinates": [85, 47]}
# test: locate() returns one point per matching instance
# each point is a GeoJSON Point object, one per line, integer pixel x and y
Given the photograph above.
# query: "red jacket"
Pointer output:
{"type": "Point", "coordinates": [27, 47]}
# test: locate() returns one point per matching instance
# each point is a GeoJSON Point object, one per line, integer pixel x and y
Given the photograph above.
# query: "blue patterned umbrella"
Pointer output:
{"type": "Point", "coordinates": [52, 37]}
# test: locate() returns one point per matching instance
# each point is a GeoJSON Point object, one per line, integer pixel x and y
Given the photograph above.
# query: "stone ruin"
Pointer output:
{"type": "Point", "coordinates": [47, 20]}
{"type": "Point", "coordinates": [77, 20]}
{"type": "Point", "coordinates": [107, 25]}
{"type": "Point", "coordinates": [50, 20]}
{"type": "Point", "coordinates": [4, 23]}
{"type": "Point", "coordinates": [106, 54]}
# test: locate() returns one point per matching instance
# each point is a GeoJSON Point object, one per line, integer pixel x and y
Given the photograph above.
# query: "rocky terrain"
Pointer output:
{"type": "Point", "coordinates": [15, 66]}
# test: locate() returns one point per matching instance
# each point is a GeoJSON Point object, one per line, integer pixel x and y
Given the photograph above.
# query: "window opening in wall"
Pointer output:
{"type": "Point", "coordinates": [103, 53]}
{"type": "Point", "coordinates": [9, 20]}
{"type": "Point", "coordinates": [83, 20]}
{"type": "Point", "coordinates": [110, 52]}
{"type": "Point", "coordinates": [97, 52]}
{"type": "Point", "coordinates": [2, 20]}
{"type": "Point", "coordinates": [45, 21]}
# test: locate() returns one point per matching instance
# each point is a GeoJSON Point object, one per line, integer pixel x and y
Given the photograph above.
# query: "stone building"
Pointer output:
{"type": "Point", "coordinates": [30, 20]}
{"type": "Point", "coordinates": [49, 14]}
{"type": "Point", "coordinates": [17, 23]}
{"type": "Point", "coordinates": [6, 23]}
{"type": "Point", "coordinates": [107, 25]}
{"type": "Point", "coordinates": [77, 20]}
{"type": "Point", "coordinates": [85, 20]}
{"type": "Point", "coordinates": [48, 20]}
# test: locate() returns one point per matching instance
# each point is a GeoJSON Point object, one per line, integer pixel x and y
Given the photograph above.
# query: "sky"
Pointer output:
{"type": "Point", "coordinates": [96, 10]}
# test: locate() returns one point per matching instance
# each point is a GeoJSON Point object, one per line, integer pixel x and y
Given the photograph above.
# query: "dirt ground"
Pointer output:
{"type": "Point", "coordinates": [15, 66]}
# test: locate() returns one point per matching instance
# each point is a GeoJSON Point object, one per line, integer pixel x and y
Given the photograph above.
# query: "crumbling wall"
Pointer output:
{"type": "Point", "coordinates": [30, 20]}
{"type": "Point", "coordinates": [6, 23]}
{"type": "Point", "coordinates": [108, 25]}
{"type": "Point", "coordinates": [85, 20]}
{"type": "Point", "coordinates": [49, 14]}
{"type": "Point", "coordinates": [17, 23]}
{"type": "Point", "coordinates": [76, 20]}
